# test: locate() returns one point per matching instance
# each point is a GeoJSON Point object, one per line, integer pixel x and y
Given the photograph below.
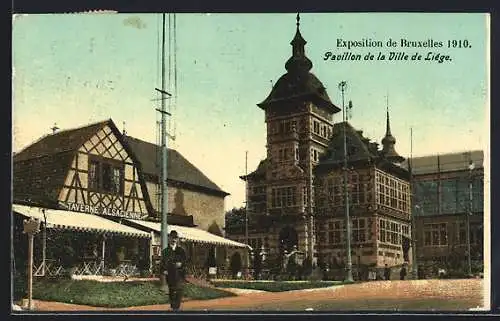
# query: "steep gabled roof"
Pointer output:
{"type": "Point", "coordinates": [39, 170]}
{"type": "Point", "coordinates": [358, 147]}
{"type": "Point", "coordinates": [63, 141]}
{"type": "Point", "coordinates": [260, 171]}
{"type": "Point", "coordinates": [299, 86]}
{"type": "Point", "coordinates": [179, 169]}
{"type": "Point", "coordinates": [40, 179]}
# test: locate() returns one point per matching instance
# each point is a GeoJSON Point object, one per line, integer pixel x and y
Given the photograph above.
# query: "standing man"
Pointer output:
{"type": "Point", "coordinates": [387, 272]}
{"type": "Point", "coordinates": [402, 273]}
{"type": "Point", "coordinates": [174, 269]}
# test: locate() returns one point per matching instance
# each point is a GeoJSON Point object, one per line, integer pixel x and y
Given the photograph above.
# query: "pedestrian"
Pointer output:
{"type": "Point", "coordinates": [387, 272]}
{"type": "Point", "coordinates": [174, 269]}
{"type": "Point", "coordinates": [402, 273]}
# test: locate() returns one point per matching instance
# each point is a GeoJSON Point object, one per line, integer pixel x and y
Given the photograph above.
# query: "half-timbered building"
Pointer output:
{"type": "Point", "coordinates": [95, 191]}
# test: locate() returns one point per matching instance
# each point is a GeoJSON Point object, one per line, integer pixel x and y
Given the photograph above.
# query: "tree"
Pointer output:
{"type": "Point", "coordinates": [235, 218]}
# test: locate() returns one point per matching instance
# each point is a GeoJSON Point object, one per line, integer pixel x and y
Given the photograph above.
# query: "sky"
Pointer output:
{"type": "Point", "coordinates": [76, 69]}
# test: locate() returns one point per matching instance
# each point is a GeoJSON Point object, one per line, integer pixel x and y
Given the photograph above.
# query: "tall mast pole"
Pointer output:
{"type": "Point", "coordinates": [246, 198]}
{"type": "Point", "coordinates": [412, 213]}
{"type": "Point", "coordinates": [163, 174]}
{"type": "Point", "coordinates": [349, 277]}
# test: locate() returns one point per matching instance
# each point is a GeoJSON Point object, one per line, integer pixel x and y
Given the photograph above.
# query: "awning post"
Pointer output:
{"type": "Point", "coordinates": [103, 251]}
{"type": "Point", "coordinates": [44, 242]}
{"type": "Point", "coordinates": [151, 252]}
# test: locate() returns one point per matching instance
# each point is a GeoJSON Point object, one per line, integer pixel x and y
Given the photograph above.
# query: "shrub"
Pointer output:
{"type": "Point", "coordinates": [20, 286]}
{"type": "Point", "coordinates": [275, 286]}
{"type": "Point", "coordinates": [115, 294]}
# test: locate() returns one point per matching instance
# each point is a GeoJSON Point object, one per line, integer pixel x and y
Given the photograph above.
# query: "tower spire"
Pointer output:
{"type": "Point", "coordinates": [298, 62]}
{"type": "Point", "coordinates": [389, 141]}
{"type": "Point", "coordinates": [388, 122]}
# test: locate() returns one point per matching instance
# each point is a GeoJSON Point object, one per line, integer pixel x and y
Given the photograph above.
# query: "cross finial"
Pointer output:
{"type": "Point", "coordinates": [55, 128]}
{"type": "Point", "coordinates": [298, 20]}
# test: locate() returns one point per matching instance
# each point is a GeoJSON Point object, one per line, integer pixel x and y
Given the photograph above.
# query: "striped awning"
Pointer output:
{"type": "Point", "coordinates": [68, 220]}
{"type": "Point", "coordinates": [191, 234]}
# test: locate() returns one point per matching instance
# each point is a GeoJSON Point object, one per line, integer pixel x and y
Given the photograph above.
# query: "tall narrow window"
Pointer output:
{"type": "Point", "coordinates": [315, 127]}
{"type": "Point", "coordinates": [94, 175]}
{"type": "Point", "coordinates": [117, 180]}
{"type": "Point", "coordinates": [107, 177]}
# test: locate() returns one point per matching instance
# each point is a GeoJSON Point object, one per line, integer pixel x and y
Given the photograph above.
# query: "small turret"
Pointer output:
{"type": "Point", "coordinates": [388, 142]}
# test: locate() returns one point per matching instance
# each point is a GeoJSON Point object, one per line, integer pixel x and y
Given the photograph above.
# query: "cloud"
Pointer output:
{"type": "Point", "coordinates": [135, 22]}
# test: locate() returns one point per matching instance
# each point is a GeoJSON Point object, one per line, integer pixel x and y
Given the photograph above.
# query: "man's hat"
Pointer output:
{"type": "Point", "coordinates": [173, 234]}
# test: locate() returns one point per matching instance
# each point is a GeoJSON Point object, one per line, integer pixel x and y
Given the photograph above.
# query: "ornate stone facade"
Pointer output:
{"type": "Point", "coordinates": [295, 196]}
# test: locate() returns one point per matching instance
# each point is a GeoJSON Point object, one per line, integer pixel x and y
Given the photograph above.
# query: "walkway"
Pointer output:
{"type": "Point", "coordinates": [387, 295]}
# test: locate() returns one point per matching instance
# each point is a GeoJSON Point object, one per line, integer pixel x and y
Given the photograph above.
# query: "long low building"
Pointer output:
{"type": "Point", "coordinates": [449, 200]}
{"type": "Point", "coordinates": [95, 192]}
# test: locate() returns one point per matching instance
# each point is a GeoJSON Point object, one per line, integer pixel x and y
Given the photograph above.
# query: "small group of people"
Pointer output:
{"type": "Point", "coordinates": [402, 272]}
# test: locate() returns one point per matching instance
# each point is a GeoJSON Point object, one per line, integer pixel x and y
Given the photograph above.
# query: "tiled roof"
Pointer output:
{"type": "Point", "coordinates": [359, 149]}
{"type": "Point", "coordinates": [260, 171]}
{"type": "Point", "coordinates": [40, 179]}
{"type": "Point", "coordinates": [63, 141]}
{"type": "Point", "coordinates": [178, 168]}
{"type": "Point", "coordinates": [39, 170]}
{"type": "Point", "coordinates": [357, 146]}
{"type": "Point", "coordinates": [449, 162]}
{"type": "Point", "coordinates": [302, 86]}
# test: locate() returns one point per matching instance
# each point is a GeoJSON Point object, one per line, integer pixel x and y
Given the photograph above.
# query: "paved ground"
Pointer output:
{"type": "Point", "coordinates": [435, 295]}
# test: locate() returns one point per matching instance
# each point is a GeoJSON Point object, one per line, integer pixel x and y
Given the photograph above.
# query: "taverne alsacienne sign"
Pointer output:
{"type": "Point", "coordinates": [97, 210]}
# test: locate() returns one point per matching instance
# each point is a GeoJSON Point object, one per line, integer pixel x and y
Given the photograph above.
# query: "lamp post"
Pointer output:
{"type": "Point", "coordinates": [413, 219]}
{"type": "Point", "coordinates": [31, 227]}
{"type": "Point", "coordinates": [414, 242]}
{"type": "Point", "coordinates": [359, 261]}
{"type": "Point", "coordinates": [468, 214]}
{"type": "Point", "coordinates": [348, 278]}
